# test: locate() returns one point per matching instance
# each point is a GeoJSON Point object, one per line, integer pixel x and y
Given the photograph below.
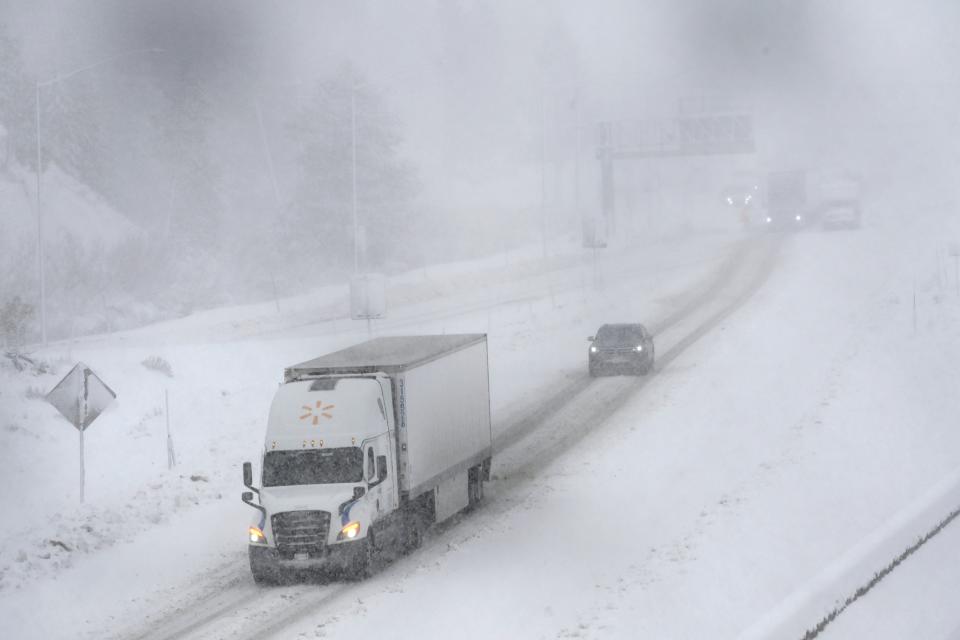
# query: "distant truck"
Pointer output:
{"type": "Point", "coordinates": [786, 200]}
{"type": "Point", "coordinates": [837, 197]}
{"type": "Point", "coordinates": [365, 449]}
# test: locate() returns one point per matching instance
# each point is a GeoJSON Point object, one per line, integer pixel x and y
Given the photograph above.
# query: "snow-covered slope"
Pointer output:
{"type": "Point", "coordinates": [69, 208]}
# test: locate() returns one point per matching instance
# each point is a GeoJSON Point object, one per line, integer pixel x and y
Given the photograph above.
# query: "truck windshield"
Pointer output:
{"type": "Point", "coordinates": [312, 466]}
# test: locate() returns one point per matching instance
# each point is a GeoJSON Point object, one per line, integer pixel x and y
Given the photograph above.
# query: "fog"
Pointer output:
{"type": "Point", "coordinates": [222, 131]}
{"type": "Point", "coordinates": [643, 298]}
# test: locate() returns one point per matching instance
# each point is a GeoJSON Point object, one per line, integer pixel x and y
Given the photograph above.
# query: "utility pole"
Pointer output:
{"type": "Point", "coordinates": [41, 266]}
{"type": "Point", "coordinates": [276, 188]}
{"type": "Point", "coordinates": [543, 170]}
{"type": "Point", "coordinates": [353, 156]}
{"type": "Point", "coordinates": [576, 157]}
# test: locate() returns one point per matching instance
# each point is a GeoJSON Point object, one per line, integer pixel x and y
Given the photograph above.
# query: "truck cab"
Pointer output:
{"type": "Point", "coordinates": [326, 478]}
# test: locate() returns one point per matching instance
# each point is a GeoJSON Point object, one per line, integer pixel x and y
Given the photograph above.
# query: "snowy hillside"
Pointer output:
{"type": "Point", "coordinates": [69, 207]}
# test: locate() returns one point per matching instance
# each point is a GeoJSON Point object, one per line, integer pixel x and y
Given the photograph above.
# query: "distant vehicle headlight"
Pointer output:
{"type": "Point", "coordinates": [769, 219]}
{"type": "Point", "coordinates": [798, 218]}
{"type": "Point", "coordinates": [593, 349]}
{"type": "Point", "coordinates": [639, 347]}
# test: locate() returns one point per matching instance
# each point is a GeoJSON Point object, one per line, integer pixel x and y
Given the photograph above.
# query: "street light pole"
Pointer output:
{"type": "Point", "coordinates": [543, 170]}
{"type": "Point", "coordinates": [576, 157]}
{"type": "Point", "coordinates": [353, 161]}
{"type": "Point", "coordinates": [41, 262]}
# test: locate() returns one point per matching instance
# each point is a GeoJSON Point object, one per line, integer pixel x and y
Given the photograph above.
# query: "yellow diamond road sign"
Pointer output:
{"type": "Point", "coordinates": [81, 396]}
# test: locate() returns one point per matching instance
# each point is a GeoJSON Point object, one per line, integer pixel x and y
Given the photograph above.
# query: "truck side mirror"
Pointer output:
{"type": "Point", "coordinates": [247, 497]}
{"type": "Point", "coordinates": [589, 338]}
{"type": "Point", "coordinates": [381, 468]}
{"type": "Point", "coordinates": [248, 477]}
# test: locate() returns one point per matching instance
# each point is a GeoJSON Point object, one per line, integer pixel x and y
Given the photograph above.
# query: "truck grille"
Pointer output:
{"type": "Point", "coordinates": [300, 532]}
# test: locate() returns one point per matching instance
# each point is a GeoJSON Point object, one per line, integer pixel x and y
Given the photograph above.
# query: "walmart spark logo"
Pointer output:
{"type": "Point", "coordinates": [316, 412]}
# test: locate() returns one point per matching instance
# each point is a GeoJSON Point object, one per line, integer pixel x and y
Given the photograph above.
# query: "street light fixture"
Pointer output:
{"type": "Point", "coordinates": [41, 266]}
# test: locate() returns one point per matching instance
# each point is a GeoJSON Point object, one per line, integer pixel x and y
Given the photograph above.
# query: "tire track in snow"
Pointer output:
{"type": "Point", "coordinates": [601, 411]}
{"type": "Point", "coordinates": [535, 414]}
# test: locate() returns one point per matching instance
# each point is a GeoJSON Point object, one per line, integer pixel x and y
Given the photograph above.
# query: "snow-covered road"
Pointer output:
{"type": "Point", "coordinates": [793, 417]}
{"type": "Point", "coordinates": [539, 335]}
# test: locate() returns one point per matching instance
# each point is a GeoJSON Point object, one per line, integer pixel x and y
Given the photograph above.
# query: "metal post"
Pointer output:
{"type": "Point", "coordinates": [40, 257]}
{"type": "Point", "coordinates": [543, 170]}
{"type": "Point", "coordinates": [83, 425]}
{"type": "Point", "coordinates": [914, 305]}
{"type": "Point", "coordinates": [82, 472]}
{"type": "Point", "coordinates": [276, 296]}
{"type": "Point", "coordinates": [171, 456]}
{"type": "Point", "coordinates": [596, 270]}
{"type": "Point", "coordinates": [267, 152]}
{"type": "Point", "coordinates": [956, 264]}
{"type": "Point", "coordinates": [273, 182]}
{"type": "Point", "coordinates": [606, 190]}
{"type": "Point", "coordinates": [353, 145]}
{"type": "Point", "coordinates": [576, 158]}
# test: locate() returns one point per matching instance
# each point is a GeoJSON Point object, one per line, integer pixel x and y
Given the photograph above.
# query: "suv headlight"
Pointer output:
{"type": "Point", "coordinates": [256, 536]}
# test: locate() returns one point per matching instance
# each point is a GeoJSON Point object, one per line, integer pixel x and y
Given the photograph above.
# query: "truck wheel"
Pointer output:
{"type": "Point", "coordinates": [474, 486]}
{"type": "Point", "coordinates": [648, 367]}
{"type": "Point", "coordinates": [362, 564]}
{"type": "Point", "coordinates": [264, 572]}
{"type": "Point", "coordinates": [412, 535]}
{"type": "Point", "coordinates": [264, 576]}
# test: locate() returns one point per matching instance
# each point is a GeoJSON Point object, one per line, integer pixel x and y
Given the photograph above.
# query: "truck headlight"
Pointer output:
{"type": "Point", "coordinates": [350, 531]}
{"type": "Point", "coordinates": [593, 349]}
{"type": "Point", "coordinates": [256, 536]}
{"type": "Point", "coordinates": [639, 347]}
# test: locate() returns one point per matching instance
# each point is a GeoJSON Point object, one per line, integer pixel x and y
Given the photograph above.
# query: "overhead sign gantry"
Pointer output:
{"type": "Point", "coordinates": [720, 132]}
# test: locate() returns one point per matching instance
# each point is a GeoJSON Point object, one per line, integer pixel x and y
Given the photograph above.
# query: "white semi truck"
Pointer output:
{"type": "Point", "coordinates": [837, 196]}
{"type": "Point", "coordinates": [365, 449]}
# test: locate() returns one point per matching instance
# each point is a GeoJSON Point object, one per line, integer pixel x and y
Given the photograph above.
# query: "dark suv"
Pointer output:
{"type": "Point", "coordinates": [621, 348]}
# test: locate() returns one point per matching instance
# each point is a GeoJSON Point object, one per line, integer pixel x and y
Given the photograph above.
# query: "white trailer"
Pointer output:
{"type": "Point", "coordinates": [366, 448]}
{"type": "Point", "coordinates": [837, 197]}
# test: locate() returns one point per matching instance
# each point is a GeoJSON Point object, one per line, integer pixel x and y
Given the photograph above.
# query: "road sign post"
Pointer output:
{"type": "Point", "coordinates": [953, 250]}
{"type": "Point", "coordinates": [368, 298]}
{"type": "Point", "coordinates": [171, 456]}
{"type": "Point", "coordinates": [81, 397]}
